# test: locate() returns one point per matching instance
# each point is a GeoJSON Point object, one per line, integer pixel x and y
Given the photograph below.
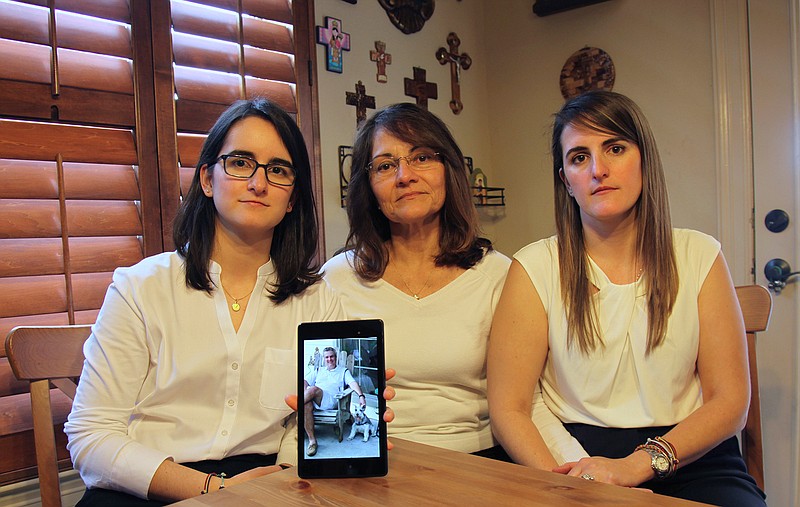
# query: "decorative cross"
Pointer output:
{"type": "Point", "coordinates": [421, 89]}
{"type": "Point", "coordinates": [361, 100]}
{"type": "Point", "coordinates": [457, 62]}
{"type": "Point", "coordinates": [335, 41]}
{"type": "Point", "coordinates": [382, 58]}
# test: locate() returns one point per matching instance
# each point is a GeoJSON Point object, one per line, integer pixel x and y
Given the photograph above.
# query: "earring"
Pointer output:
{"type": "Point", "coordinates": [569, 191]}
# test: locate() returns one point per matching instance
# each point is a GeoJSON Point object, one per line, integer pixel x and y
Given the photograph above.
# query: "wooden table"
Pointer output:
{"type": "Point", "coordinates": [421, 475]}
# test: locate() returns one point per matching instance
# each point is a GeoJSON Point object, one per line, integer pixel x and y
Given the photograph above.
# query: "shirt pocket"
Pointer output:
{"type": "Point", "coordinates": [278, 378]}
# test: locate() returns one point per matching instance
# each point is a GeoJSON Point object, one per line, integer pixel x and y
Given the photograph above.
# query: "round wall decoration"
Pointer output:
{"type": "Point", "coordinates": [409, 16]}
{"type": "Point", "coordinates": [587, 69]}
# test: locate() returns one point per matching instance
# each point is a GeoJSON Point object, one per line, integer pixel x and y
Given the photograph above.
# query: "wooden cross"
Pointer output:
{"type": "Point", "coordinates": [421, 89]}
{"type": "Point", "coordinates": [382, 58]}
{"type": "Point", "coordinates": [335, 41]}
{"type": "Point", "coordinates": [457, 62]}
{"type": "Point", "coordinates": [361, 100]}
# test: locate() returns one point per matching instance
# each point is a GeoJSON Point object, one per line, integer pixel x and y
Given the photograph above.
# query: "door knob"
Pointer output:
{"type": "Point", "coordinates": [777, 272]}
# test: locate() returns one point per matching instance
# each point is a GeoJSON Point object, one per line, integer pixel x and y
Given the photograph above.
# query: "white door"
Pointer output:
{"type": "Point", "coordinates": [775, 91]}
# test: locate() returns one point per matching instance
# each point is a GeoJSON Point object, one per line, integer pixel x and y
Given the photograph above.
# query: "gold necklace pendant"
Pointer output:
{"type": "Point", "coordinates": [235, 306]}
{"type": "Point", "coordinates": [415, 293]}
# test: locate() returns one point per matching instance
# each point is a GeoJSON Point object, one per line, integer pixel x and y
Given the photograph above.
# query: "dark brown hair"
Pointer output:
{"type": "Point", "coordinates": [459, 242]}
{"type": "Point", "coordinates": [294, 242]}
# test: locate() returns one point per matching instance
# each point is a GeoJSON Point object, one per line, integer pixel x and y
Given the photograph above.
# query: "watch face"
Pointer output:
{"type": "Point", "coordinates": [661, 464]}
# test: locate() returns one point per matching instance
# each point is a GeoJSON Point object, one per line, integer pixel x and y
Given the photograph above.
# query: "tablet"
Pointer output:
{"type": "Point", "coordinates": [338, 362]}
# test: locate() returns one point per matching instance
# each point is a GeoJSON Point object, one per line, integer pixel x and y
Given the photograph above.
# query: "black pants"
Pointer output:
{"type": "Point", "coordinates": [497, 452]}
{"type": "Point", "coordinates": [718, 478]}
{"type": "Point", "coordinates": [97, 497]}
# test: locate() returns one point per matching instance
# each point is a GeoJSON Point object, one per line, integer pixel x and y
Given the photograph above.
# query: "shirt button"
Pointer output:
{"type": "Point", "coordinates": [235, 366]}
{"type": "Point", "coordinates": [224, 433]}
{"type": "Point", "coordinates": [231, 403]}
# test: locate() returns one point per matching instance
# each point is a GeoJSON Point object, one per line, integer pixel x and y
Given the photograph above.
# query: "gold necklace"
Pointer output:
{"type": "Point", "coordinates": [413, 292]}
{"type": "Point", "coordinates": [235, 306]}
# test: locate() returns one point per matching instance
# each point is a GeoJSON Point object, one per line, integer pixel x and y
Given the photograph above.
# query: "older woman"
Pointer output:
{"type": "Point", "coordinates": [415, 259]}
{"type": "Point", "coordinates": [632, 325]}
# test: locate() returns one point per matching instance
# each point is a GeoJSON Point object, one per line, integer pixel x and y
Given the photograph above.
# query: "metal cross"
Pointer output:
{"type": "Point", "coordinates": [457, 62]}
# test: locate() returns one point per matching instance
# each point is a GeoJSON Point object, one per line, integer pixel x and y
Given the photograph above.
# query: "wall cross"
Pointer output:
{"type": "Point", "coordinates": [420, 89]}
{"type": "Point", "coordinates": [361, 100]}
{"type": "Point", "coordinates": [457, 62]}
{"type": "Point", "coordinates": [382, 59]}
{"type": "Point", "coordinates": [335, 41]}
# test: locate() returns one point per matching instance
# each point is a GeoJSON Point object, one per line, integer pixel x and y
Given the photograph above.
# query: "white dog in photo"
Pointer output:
{"type": "Point", "coordinates": [362, 424]}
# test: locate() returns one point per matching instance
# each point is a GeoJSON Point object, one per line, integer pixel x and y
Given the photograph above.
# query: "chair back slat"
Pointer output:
{"type": "Point", "coordinates": [39, 352]}
{"type": "Point", "coordinates": [756, 304]}
{"type": "Point", "coordinates": [44, 354]}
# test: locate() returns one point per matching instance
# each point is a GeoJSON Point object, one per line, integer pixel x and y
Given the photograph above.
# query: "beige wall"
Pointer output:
{"type": "Point", "coordinates": [662, 54]}
{"type": "Point", "coordinates": [367, 22]}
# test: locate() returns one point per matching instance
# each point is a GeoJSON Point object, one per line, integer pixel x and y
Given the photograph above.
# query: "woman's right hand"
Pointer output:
{"type": "Point", "coordinates": [629, 471]}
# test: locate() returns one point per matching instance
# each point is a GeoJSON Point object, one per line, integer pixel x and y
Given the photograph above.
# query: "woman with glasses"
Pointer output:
{"type": "Point", "coordinates": [415, 259]}
{"type": "Point", "coordinates": [632, 326]}
{"type": "Point", "coordinates": [193, 351]}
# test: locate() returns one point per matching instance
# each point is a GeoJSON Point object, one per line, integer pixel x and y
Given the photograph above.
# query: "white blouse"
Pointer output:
{"type": "Point", "coordinates": [618, 385]}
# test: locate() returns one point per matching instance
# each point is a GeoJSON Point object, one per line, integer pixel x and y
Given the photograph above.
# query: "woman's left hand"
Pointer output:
{"type": "Point", "coordinates": [629, 471]}
{"type": "Point", "coordinates": [388, 394]}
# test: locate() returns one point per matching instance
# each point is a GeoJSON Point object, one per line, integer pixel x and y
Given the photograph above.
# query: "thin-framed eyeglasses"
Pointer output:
{"type": "Point", "coordinates": [422, 159]}
{"type": "Point", "coordinates": [244, 167]}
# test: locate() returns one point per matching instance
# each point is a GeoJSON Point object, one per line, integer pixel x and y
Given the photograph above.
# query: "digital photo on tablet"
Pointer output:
{"type": "Point", "coordinates": [341, 379]}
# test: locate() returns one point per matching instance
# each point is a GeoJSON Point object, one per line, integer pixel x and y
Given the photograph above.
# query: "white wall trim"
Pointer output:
{"type": "Point", "coordinates": [794, 12]}
{"type": "Point", "coordinates": [732, 105]}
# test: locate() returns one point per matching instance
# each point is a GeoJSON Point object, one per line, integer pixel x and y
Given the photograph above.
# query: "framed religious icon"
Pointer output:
{"type": "Point", "coordinates": [335, 41]}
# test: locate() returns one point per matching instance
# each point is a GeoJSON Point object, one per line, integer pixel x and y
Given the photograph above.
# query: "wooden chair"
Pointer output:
{"type": "Point", "coordinates": [44, 355]}
{"type": "Point", "coordinates": [339, 416]}
{"type": "Point", "coordinates": [756, 304]}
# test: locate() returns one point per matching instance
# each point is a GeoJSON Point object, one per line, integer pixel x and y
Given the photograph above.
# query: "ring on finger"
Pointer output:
{"type": "Point", "coordinates": [588, 477]}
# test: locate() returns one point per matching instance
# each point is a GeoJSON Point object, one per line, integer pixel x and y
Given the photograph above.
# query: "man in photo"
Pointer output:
{"type": "Point", "coordinates": [320, 389]}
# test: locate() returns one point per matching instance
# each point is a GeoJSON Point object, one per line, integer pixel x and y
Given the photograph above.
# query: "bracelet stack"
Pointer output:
{"type": "Point", "coordinates": [208, 482]}
{"type": "Point", "coordinates": [663, 458]}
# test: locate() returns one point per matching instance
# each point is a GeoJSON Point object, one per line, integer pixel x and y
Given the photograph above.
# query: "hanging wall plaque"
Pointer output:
{"type": "Point", "coordinates": [409, 16]}
{"type": "Point", "coordinates": [587, 69]}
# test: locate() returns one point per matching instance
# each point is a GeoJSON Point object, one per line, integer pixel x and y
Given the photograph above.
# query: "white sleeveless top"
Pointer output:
{"type": "Point", "coordinates": [617, 385]}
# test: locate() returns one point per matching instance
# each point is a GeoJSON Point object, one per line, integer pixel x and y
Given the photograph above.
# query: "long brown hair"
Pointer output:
{"type": "Point", "coordinates": [614, 114]}
{"type": "Point", "coordinates": [459, 241]}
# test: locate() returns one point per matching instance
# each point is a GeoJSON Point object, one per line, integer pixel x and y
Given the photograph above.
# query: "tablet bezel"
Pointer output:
{"type": "Point", "coordinates": [346, 466]}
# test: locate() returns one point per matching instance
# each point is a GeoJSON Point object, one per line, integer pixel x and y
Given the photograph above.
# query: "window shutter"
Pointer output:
{"type": "Point", "coordinates": [225, 50]}
{"type": "Point", "coordinates": [94, 146]}
{"type": "Point", "coordinates": [71, 201]}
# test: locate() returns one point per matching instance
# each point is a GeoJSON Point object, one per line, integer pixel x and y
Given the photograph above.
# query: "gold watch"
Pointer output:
{"type": "Point", "coordinates": [659, 462]}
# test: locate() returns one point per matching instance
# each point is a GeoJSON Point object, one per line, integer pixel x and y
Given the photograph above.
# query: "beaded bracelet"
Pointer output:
{"type": "Point", "coordinates": [661, 446]}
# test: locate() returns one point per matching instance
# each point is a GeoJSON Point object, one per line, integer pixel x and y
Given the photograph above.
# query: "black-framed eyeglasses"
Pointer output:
{"type": "Point", "coordinates": [420, 160]}
{"type": "Point", "coordinates": [244, 167]}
